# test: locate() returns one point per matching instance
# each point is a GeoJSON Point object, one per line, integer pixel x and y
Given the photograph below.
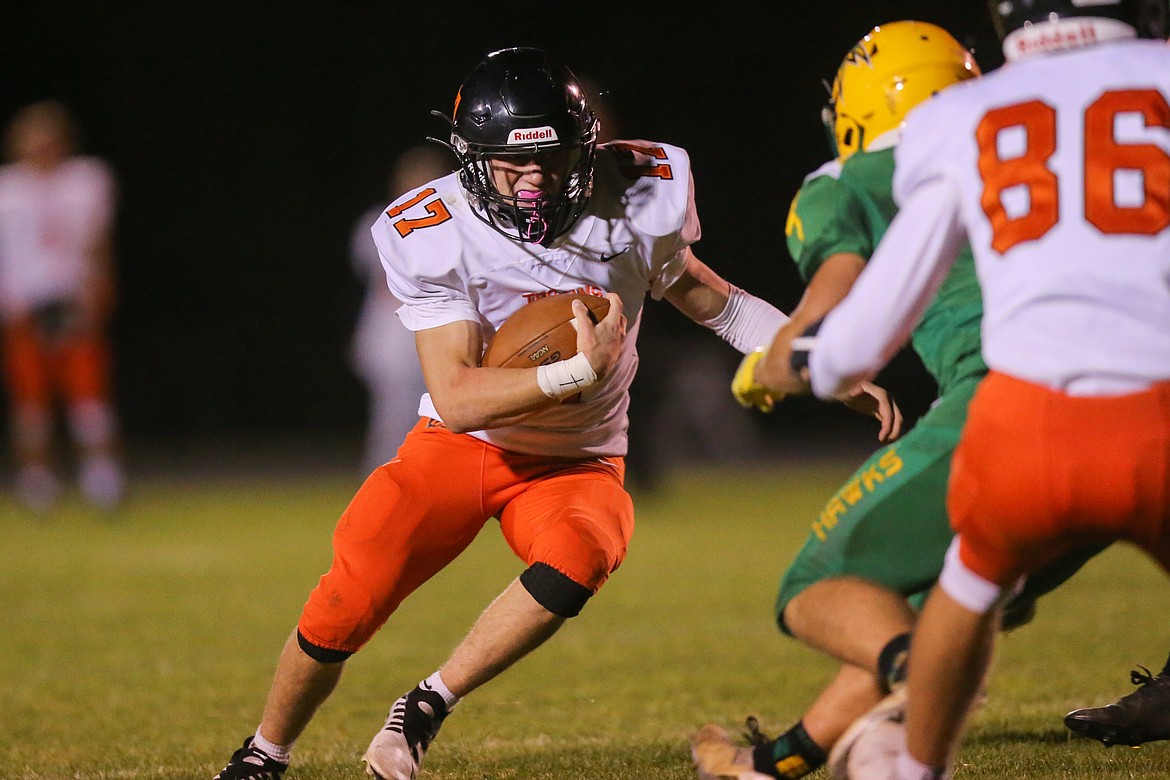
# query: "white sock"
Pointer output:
{"type": "Point", "coordinates": [279, 752]}
{"type": "Point", "coordinates": [435, 683]}
{"type": "Point", "coordinates": [910, 768]}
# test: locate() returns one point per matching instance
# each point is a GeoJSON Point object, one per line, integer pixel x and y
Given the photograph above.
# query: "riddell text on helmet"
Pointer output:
{"type": "Point", "coordinates": [528, 135]}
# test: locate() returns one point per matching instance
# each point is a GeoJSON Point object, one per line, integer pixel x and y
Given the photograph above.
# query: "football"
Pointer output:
{"type": "Point", "coordinates": [540, 332]}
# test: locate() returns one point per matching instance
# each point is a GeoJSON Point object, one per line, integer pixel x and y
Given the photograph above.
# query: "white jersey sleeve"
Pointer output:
{"type": "Point", "coordinates": [656, 186]}
{"type": "Point", "coordinates": [421, 254]}
{"type": "Point", "coordinates": [876, 319]}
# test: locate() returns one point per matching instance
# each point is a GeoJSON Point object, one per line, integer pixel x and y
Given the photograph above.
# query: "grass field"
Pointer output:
{"type": "Point", "coordinates": [142, 646]}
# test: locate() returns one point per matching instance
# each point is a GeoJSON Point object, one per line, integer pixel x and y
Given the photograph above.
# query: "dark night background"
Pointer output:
{"type": "Point", "coordinates": [248, 136]}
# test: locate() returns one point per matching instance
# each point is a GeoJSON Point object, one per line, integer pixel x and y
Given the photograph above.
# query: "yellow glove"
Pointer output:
{"type": "Point", "coordinates": [744, 387]}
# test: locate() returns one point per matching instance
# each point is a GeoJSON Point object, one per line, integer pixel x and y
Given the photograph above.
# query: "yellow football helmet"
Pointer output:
{"type": "Point", "coordinates": [892, 69]}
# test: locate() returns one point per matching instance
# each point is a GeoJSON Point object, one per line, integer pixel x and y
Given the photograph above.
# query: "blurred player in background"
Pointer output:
{"type": "Point", "coordinates": [1065, 201]}
{"type": "Point", "coordinates": [57, 210]}
{"type": "Point", "coordinates": [537, 208]}
{"type": "Point", "coordinates": [382, 349]}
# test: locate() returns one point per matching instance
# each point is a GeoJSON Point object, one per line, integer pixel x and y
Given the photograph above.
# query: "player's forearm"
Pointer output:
{"type": "Point", "coordinates": [470, 397]}
{"type": "Point", "coordinates": [738, 317]}
{"type": "Point", "coordinates": [477, 399]}
{"type": "Point", "coordinates": [828, 287]}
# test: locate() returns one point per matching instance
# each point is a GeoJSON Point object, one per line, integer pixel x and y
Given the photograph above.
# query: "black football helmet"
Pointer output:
{"type": "Point", "coordinates": [1148, 17]}
{"type": "Point", "coordinates": [518, 102]}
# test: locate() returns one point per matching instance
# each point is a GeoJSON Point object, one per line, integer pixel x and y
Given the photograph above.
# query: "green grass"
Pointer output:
{"type": "Point", "coordinates": [142, 646]}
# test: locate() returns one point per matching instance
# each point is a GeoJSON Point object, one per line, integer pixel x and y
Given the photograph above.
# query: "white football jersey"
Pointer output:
{"type": "Point", "coordinates": [49, 221]}
{"type": "Point", "coordinates": [445, 264]}
{"type": "Point", "coordinates": [1057, 169]}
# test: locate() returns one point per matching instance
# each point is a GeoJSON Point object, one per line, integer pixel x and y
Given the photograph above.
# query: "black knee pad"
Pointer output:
{"type": "Point", "coordinates": [322, 655]}
{"type": "Point", "coordinates": [554, 591]}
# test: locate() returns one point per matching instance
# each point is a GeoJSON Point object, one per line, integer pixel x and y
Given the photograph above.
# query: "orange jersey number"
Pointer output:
{"type": "Point", "coordinates": [1104, 157]}
{"type": "Point", "coordinates": [638, 160]}
{"type": "Point", "coordinates": [437, 213]}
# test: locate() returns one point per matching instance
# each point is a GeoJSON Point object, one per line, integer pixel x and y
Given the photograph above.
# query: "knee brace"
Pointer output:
{"type": "Point", "coordinates": [322, 655]}
{"type": "Point", "coordinates": [554, 591]}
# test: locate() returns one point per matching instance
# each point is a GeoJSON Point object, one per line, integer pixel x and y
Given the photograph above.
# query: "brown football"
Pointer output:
{"type": "Point", "coordinates": [540, 332]}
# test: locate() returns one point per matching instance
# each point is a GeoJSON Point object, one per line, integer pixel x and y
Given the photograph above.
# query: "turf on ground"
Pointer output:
{"type": "Point", "coordinates": [142, 647]}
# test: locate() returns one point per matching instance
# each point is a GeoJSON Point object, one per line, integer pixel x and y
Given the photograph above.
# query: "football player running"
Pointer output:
{"type": "Point", "coordinates": [1063, 199]}
{"type": "Point", "coordinates": [536, 208]}
{"type": "Point", "coordinates": [878, 545]}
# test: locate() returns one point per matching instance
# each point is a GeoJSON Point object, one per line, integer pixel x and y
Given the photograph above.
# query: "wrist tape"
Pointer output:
{"type": "Point", "coordinates": [566, 377]}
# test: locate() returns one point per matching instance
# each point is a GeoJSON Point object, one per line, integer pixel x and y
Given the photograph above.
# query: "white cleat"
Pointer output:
{"type": "Point", "coordinates": [397, 751]}
{"type": "Point", "coordinates": [389, 757]}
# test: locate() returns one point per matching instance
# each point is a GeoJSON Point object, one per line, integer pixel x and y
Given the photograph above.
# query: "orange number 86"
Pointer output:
{"type": "Point", "coordinates": [1103, 157]}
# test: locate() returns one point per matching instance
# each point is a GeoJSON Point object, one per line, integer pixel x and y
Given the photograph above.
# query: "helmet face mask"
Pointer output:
{"type": "Point", "coordinates": [892, 69]}
{"type": "Point", "coordinates": [520, 108]}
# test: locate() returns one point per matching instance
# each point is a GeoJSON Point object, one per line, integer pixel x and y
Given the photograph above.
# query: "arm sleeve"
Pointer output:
{"type": "Point", "coordinates": [877, 317]}
{"type": "Point", "coordinates": [747, 322]}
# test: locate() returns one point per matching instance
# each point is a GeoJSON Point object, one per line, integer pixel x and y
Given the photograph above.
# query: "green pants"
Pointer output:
{"type": "Point", "coordinates": [888, 523]}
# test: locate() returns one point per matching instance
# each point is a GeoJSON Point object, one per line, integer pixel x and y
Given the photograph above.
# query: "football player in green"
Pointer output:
{"type": "Point", "coordinates": [878, 545]}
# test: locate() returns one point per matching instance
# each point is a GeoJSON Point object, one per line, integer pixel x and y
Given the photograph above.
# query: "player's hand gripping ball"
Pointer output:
{"type": "Point", "coordinates": [541, 332]}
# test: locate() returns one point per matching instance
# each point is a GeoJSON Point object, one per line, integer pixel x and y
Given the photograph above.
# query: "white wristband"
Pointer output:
{"type": "Point", "coordinates": [566, 377]}
{"type": "Point", "coordinates": [747, 322]}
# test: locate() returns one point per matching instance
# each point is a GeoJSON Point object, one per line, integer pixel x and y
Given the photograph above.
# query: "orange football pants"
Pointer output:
{"type": "Point", "coordinates": [1039, 473]}
{"type": "Point", "coordinates": [36, 372]}
{"type": "Point", "coordinates": [417, 513]}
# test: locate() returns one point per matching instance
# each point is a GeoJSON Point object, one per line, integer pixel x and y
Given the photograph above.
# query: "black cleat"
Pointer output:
{"type": "Point", "coordinates": [252, 763]}
{"type": "Point", "coordinates": [1142, 716]}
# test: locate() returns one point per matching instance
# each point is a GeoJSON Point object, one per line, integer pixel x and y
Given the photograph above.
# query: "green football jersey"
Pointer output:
{"type": "Point", "coordinates": [847, 208]}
